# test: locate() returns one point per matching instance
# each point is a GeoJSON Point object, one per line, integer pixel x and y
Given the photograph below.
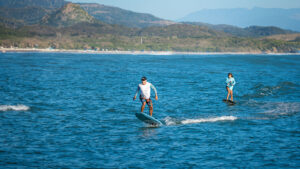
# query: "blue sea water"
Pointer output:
{"type": "Point", "coordinates": [60, 110]}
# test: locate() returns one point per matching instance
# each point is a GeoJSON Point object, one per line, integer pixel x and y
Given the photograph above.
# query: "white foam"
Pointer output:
{"type": "Point", "coordinates": [18, 107]}
{"type": "Point", "coordinates": [213, 119]}
{"type": "Point", "coordinates": [281, 108]}
{"type": "Point", "coordinates": [169, 121]}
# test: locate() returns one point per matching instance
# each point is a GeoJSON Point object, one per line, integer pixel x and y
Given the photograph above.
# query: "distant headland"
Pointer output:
{"type": "Point", "coordinates": [117, 52]}
{"type": "Point", "coordinates": [61, 25]}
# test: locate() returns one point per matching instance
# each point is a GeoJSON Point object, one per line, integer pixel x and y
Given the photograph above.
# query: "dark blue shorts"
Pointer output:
{"type": "Point", "coordinates": [148, 101]}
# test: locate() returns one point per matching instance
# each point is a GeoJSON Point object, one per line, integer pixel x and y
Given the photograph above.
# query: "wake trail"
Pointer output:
{"type": "Point", "coordinates": [18, 107]}
{"type": "Point", "coordinates": [213, 119]}
{"type": "Point", "coordinates": [171, 121]}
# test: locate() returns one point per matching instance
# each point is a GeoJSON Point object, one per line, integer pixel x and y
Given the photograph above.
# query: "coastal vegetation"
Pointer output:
{"type": "Point", "coordinates": [73, 27]}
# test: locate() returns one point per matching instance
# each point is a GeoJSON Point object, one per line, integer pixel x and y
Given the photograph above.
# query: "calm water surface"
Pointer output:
{"type": "Point", "coordinates": [76, 111]}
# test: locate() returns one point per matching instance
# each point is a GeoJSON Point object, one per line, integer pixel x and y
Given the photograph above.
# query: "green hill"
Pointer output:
{"type": "Point", "coordinates": [68, 15]}
{"type": "Point", "coordinates": [27, 12]}
{"type": "Point", "coordinates": [181, 31]}
{"type": "Point", "coordinates": [71, 27]}
{"type": "Point", "coordinates": [266, 30]}
{"type": "Point", "coordinates": [114, 37]}
{"type": "Point", "coordinates": [252, 31]}
{"type": "Point", "coordinates": [29, 3]}
{"type": "Point", "coordinates": [26, 16]}
{"type": "Point", "coordinates": [113, 15]}
{"type": "Point", "coordinates": [11, 23]}
{"type": "Point", "coordinates": [32, 11]}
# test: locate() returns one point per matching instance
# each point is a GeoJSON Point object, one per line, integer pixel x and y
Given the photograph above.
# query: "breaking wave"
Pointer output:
{"type": "Point", "coordinates": [14, 107]}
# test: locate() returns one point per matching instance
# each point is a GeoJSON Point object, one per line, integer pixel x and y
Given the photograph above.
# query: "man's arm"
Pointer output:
{"type": "Point", "coordinates": [136, 93]}
{"type": "Point", "coordinates": [156, 97]}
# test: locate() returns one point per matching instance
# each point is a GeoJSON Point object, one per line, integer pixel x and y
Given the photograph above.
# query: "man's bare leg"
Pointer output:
{"type": "Point", "coordinates": [150, 109]}
{"type": "Point", "coordinates": [143, 107]}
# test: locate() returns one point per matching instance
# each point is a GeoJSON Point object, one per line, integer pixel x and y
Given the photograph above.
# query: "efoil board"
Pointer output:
{"type": "Point", "coordinates": [148, 119]}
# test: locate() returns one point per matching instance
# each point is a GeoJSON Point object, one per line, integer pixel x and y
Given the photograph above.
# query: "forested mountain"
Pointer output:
{"type": "Point", "coordinates": [93, 26]}
{"type": "Point", "coordinates": [251, 31]}
{"type": "Point", "coordinates": [113, 15]}
{"type": "Point", "coordinates": [283, 18]}
{"type": "Point", "coordinates": [32, 11]}
{"type": "Point", "coordinates": [37, 3]}
{"type": "Point", "coordinates": [26, 15]}
{"type": "Point", "coordinates": [68, 15]}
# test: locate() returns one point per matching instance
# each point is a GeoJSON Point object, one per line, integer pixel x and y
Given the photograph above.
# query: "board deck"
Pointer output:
{"type": "Point", "coordinates": [148, 119]}
{"type": "Point", "coordinates": [229, 102]}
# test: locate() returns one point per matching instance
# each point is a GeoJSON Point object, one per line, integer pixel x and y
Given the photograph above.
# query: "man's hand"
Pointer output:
{"type": "Point", "coordinates": [156, 98]}
{"type": "Point", "coordinates": [134, 97]}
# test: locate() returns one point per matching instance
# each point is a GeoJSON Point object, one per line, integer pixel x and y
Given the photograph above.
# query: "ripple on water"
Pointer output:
{"type": "Point", "coordinates": [76, 111]}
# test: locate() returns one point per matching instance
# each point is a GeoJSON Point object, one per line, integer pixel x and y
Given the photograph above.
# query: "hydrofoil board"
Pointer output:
{"type": "Point", "coordinates": [229, 102]}
{"type": "Point", "coordinates": [148, 119]}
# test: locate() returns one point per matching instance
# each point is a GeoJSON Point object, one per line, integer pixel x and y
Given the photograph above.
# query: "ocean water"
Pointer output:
{"type": "Point", "coordinates": [60, 110]}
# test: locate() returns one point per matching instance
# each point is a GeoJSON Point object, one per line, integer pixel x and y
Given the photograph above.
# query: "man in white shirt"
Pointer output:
{"type": "Point", "coordinates": [145, 89]}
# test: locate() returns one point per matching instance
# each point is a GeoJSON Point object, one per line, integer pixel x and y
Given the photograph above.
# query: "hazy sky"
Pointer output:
{"type": "Point", "coordinates": [175, 9]}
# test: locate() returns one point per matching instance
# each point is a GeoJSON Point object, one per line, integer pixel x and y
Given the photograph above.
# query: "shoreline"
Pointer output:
{"type": "Point", "coordinates": [116, 52]}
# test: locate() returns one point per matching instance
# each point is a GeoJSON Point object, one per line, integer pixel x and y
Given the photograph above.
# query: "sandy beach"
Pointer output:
{"type": "Point", "coordinates": [47, 50]}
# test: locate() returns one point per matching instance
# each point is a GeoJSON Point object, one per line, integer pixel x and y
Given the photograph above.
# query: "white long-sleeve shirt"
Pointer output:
{"type": "Point", "coordinates": [145, 90]}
